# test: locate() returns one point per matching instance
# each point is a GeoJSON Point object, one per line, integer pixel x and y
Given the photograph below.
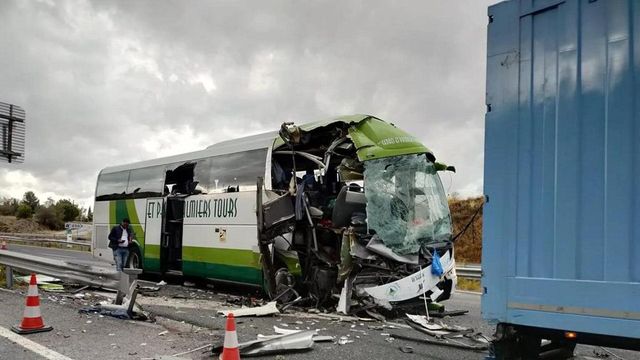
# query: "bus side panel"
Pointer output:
{"type": "Point", "coordinates": [101, 228]}
{"type": "Point", "coordinates": [108, 214]}
{"type": "Point", "coordinates": [220, 237]}
{"type": "Point", "coordinates": [152, 219]}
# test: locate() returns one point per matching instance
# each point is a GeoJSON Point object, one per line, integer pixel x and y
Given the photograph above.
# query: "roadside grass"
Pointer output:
{"type": "Point", "coordinates": [469, 284]}
{"type": "Point", "coordinates": [468, 247]}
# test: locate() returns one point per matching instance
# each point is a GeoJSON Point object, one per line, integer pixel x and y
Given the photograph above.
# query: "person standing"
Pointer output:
{"type": "Point", "coordinates": [120, 238]}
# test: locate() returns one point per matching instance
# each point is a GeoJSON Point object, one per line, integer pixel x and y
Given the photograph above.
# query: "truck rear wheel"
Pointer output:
{"type": "Point", "coordinates": [558, 349]}
{"type": "Point", "coordinates": [511, 343]}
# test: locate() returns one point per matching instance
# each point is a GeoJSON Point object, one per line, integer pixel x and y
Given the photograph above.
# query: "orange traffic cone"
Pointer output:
{"type": "Point", "coordinates": [230, 349]}
{"type": "Point", "coordinates": [4, 245]}
{"type": "Point", "coordinates": [32, 319]}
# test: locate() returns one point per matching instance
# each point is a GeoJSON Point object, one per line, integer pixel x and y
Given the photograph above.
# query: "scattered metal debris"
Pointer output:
{"type": "Point", "coordinates": [445, 335]}
{"type": "Point", "coordinates": [277, 344]}
{"type": "Point", "coordinates": [406, 349]}
{"type": "Point", "coordinates": [442, 314]}
{"type": "Point", "coordinates": [281, 331]}
{"type": "Point", "coordinates": [81, 289]}
{"type": "Point", "coordinates": [449, 343]}
{"type": "Point", "coordinates": [41, 279]}
{"type": "Point", "coordinates": [268, 309]}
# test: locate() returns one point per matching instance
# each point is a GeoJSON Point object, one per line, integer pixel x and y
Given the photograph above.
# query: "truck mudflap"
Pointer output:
{"type": "Point", "coordinates": [416, 284]}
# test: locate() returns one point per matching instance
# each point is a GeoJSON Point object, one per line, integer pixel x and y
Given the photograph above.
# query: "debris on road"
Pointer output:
{"type": "Point", "coordinates": [406, 349]}
{"type": "Point", "coordinates": [281, 331]}
{"type": "Point", "coordinates": [118, 313]}
{"type": "Point", "coordinates": [49, 287]}
{"type": "Point", "coordinates": [42, 279]}
{"type": "Point", "coordinates": [276, 344]}
{"type": "Point", "coordinates": [45, 283]}
{"type": "Point", "coordinates": [127, 310]}
{"type": "Point", "coordinates": [442, 314]}
{"type": "Point", "coordinates": [268, 309]}
{"type": "Point", "coordinates": [444, 334]}
{"type": "Point", "coordinates": [480, 346]}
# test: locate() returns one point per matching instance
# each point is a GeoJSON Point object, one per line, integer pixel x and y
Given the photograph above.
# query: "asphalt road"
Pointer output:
{"type": "Point", "coordinates": [89, 336]}
{"type": "Point", "coordinates": [79, 257]}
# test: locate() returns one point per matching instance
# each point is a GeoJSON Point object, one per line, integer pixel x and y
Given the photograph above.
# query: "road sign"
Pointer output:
{"type": "Point", "coordinates": [12, 133]}
{"type": "Point", "coordinates": [70, 225]}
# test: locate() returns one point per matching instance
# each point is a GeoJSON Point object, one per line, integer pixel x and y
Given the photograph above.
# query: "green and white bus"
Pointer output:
{"type": "Point", "coordinates": [347, 202]}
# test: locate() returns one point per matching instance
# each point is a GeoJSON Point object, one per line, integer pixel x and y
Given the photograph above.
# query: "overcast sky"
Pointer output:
{"type": "Point", "coordinates": [105, 83]}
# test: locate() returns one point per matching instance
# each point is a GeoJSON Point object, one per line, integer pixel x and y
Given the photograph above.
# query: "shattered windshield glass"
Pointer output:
{"type": "Point", "coordinates": [406, 204]}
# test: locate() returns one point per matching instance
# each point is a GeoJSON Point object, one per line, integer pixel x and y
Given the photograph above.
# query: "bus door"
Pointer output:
{"type": "Point", "coordinates": [171, 246]}
{"type": "Point", "coordinates": [154, 225]}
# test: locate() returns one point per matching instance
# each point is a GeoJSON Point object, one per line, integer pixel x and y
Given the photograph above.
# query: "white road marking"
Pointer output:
{"type": "Point", "coordinates": [43, 351]}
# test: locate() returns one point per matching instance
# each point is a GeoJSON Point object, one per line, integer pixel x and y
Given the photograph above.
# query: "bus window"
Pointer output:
{"type": "Point", "coordinates": [112, 186]}
{"type": "Point", "coordinates": [238, 171]}
{"type": "Point", "coordinates": [146, 182]}
{"type": "Point", "coordinates": [179, 178]}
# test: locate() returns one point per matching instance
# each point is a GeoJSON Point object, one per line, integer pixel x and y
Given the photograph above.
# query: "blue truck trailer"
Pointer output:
{"type": "Point", "coordinates": [561, 248]}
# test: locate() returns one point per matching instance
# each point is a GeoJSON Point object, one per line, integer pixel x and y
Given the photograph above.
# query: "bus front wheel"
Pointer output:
{"type": "Point", "coordinates": [135, 259]}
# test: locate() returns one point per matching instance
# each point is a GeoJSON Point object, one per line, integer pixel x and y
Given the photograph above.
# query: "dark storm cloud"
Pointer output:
{"type": "Point", "coordinates": [110, 82]}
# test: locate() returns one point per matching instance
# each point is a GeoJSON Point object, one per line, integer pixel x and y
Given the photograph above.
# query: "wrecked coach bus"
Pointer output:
{"type": "Point", "coordinates": [351, 207]}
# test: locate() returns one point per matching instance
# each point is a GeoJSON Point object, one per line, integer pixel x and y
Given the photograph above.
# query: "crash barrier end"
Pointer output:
{"type": "Point", "coordinates": [128, 277]}
{"type": "Point", "coordinates": [231, 349]}
{"type": "Point", "coordinates": [32, 318]}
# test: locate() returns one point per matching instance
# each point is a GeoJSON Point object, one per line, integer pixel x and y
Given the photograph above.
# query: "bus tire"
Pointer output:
{"type": "Point", "coordinates": [135, 258]}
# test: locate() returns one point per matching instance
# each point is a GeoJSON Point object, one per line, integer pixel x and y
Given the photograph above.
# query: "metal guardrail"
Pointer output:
{"type": "Point", "coordinates": [469, 271]}
{"type": "Point", "coordinates": [66, 270]}
{"type": "Point", "coordinates": [108, 278]}
{"type": "Point", "coordinates": [26, 240]}
{"type": "Point", "coordinates": [41, 236]}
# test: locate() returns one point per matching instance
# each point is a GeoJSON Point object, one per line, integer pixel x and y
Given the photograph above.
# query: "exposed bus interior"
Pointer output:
{"type": "Point", "coordinates": [171, 241]}
{"type": "Point", "coordinates": [330, 232]}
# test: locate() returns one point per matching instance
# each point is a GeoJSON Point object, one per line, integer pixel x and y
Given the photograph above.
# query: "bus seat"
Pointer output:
{"type": "Point", "coordinates": [347, 203]}
{"type": "Point", "coordinates": [315, 212]}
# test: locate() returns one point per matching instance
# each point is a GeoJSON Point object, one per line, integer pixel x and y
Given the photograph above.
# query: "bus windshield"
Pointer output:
{"type": "Point", "coordinates": [406, 203]}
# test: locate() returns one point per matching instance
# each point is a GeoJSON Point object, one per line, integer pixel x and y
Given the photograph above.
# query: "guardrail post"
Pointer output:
{"type": "Point", "coordinates": [9, 273]}
{"type": "Point", "coordinates": [127, 277]}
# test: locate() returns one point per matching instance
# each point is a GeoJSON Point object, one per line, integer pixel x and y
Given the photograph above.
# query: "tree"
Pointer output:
{"type": "Point", "coordinates": [89, 214]}
{"type": "Point", "coordinates": [67, 209]}
{"type": "Point", "coordinates": [49, 202]}
{"type": "Point", "coordinates": [30, 199]}
{"type": "Point", "coordinates": [8, 206]}
{"type": "Point", "coordinates": [24, 211]}
{"type": "Point", "coordinates": [50, 217]}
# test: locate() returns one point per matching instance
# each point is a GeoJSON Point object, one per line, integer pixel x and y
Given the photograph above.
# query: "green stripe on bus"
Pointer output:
{"type": "Point", "coordinates": [232, 257]}
{"type": "Point", "coordinates": [293, 265]}
{"type": "Point", "coordinates": [121, 210]}
{"type": "Point", "coordinates": [243, 274]}
{"type": "Point", "coordinates": [152, 265]}
{"type": "Point", "coordinates": [132, 212]}
{"type": "Point", "coordinates": [151, 257]}
{"type": "Point", "coordinates": [152, 251]}
{"type": "Point", "coordinates": [112, 213]}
